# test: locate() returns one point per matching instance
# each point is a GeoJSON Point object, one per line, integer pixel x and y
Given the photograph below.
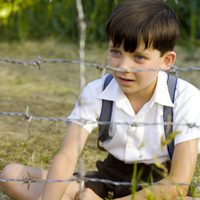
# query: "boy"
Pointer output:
{"type": "Point", "coordinates": [142, 35]}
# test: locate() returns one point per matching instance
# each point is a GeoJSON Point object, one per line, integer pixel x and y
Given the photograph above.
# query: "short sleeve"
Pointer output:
{"type": "Point", "coordinates": [187, 115]}
{"type": "Point", "coordinates": [86, 109]}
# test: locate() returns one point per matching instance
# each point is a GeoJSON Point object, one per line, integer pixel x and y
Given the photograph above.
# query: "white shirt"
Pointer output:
{"type": "Point", "coordinates": [141, 143]}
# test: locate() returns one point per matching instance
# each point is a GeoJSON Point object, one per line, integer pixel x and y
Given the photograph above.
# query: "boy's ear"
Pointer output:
{"type": "Point", "coordinates": [168, 60]}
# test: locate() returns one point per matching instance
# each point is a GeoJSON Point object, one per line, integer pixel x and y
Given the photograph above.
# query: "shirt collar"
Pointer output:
{"type": "Point", "coordinates": [161, 94]}
{"type": "Point", "coordinates": [113, 93]}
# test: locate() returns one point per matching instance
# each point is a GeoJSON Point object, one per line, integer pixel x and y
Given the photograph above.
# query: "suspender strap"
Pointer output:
{"type": "Point", "coordinates": [105, 116]}
{"type": "Point", "coordinates": [168, 113]}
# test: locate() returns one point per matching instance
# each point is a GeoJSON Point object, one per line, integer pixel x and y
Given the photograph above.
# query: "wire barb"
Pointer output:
{"type": "Point", "coordinates": [40, 61]}
{"type": "Point", "coordinates": [30, 117]}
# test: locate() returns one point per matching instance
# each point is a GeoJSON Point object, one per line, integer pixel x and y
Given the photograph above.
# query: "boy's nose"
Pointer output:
{"type": "Point", "coordinates": [126, 65]}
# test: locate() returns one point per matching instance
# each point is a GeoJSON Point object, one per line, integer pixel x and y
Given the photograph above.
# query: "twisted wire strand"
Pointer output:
{"type": "Point", "coordinates": [30, 117]}
{"type": "Point", "coordinates": [40, 61]}
{"type": "Point", "coordinates": [28, 180]}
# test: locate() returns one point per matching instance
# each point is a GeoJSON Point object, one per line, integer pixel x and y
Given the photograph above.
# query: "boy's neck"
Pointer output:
{"type": "Point", "coordinates": [139, 99]}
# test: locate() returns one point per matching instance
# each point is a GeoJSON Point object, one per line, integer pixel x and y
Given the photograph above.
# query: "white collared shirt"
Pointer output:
{"type": "Point", "coordinates": [142, 143]}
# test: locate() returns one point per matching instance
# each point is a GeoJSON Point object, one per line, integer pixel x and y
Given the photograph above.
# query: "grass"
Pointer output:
{"type": "Point", "coordinates": [51, 91]}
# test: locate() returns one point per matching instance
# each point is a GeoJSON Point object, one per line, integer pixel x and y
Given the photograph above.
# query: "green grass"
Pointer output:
{"type": "Point", "coordinates": [51, 91]}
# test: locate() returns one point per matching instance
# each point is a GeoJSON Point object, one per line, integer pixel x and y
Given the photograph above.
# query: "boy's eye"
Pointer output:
{"type": "Point", "coordinates": [139, 58]}
{"type": "Point", "coordinates": [115, 53]}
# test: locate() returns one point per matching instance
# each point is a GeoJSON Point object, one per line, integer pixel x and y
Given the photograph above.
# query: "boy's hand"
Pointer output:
{"type": "Point", "coordinates": [87, 194]}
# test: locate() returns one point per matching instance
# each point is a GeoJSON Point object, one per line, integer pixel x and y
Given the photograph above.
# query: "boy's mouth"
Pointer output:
{"type": "Point", "coordinates": [125, 81]}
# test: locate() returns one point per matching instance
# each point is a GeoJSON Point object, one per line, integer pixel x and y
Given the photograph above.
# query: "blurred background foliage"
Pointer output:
{"type": "Point", "coordinates": [38, 19]}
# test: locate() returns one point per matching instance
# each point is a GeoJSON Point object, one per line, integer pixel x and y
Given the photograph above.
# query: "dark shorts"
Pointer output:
{"type": "Point", "coordinates": [116, 170]}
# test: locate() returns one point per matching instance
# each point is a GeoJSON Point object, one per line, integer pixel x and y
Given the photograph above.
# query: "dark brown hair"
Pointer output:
{"type": "Point", "coordinates": [150, 21]}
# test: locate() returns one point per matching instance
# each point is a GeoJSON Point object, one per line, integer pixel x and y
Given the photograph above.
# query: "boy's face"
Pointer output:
{"type": "Point", "coordinates": [138, 84]}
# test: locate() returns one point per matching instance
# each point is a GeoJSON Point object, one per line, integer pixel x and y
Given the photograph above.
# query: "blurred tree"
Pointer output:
{"type": "Point", "coordinates": [97, 13]}
{"type": "Point", "coordinates": [189, 16]}
{"type": "Point", "coordinates": [22, 20]}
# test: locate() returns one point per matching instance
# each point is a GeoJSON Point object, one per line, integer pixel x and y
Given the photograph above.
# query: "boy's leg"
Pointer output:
{"type": "Point", "coordinates": [71, 191]}
{"type": "Point", "coordinates": [18, 190]}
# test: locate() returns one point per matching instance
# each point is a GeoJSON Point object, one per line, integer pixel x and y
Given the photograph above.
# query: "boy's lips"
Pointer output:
{"type": "Point", "coordinates": [125, 81]}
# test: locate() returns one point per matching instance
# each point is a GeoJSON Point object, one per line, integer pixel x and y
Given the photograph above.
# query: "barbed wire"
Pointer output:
{"type": "Point", "coordinates": [29, 180]}
{"type": "Point", "coordinates": [41, 61]}
{"type": "Point", "coordinates": [37, 63]}
{"type": "Point", "coordinates": [27, 116]}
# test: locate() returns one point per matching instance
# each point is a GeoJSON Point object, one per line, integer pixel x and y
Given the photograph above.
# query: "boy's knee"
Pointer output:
{"type": "Point", "coordinates": [11, 170]}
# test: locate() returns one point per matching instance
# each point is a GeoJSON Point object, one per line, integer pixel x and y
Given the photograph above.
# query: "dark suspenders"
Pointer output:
{"type": "Point", "coordinates": [168, 113]}
{"type": "Point", "coordinates": [106, 113]}
{"type": "Point", "coordinates": [105, 116]}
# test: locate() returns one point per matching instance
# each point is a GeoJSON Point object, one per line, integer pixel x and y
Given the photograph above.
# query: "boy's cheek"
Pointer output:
{"type": "Point", "coordinates": [113, 62]}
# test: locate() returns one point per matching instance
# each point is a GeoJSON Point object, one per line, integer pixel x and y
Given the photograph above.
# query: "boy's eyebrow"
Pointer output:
{"type": "Point", "coordinates": [141, 53]}
{"type": "Point", "coordinates": [144, 53]}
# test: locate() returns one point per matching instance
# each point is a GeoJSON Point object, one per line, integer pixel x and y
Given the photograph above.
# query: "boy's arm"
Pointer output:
{"type": "Point", "coordinates": [64, 162]}
{"type": "Point", "coordinates": [181, 173]}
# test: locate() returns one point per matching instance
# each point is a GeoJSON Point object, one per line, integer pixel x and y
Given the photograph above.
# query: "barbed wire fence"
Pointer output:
{"type": "Point", "coordinates": [39, 62]}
